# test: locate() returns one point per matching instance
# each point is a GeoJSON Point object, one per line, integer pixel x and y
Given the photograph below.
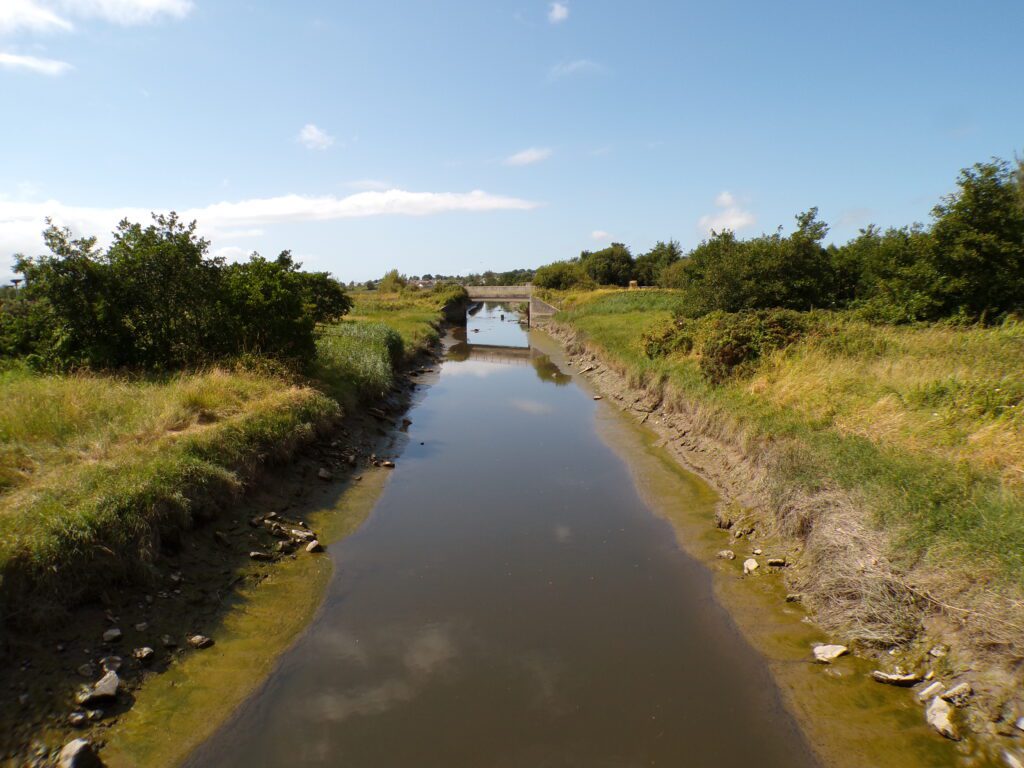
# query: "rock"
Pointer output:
{"type": "Point", "coordinates": [931, 691]}
{"type": "Point", "coordinates": [794, 597]}
{"type": "Point", "coordinates": [324, 474]}
{"type": "Point", "coordinates": [87, 670]}
{"type": "Point", "coordinates": [102, 691]}
{"type": "Point", "coordinates": [890, 678]}
{"type": "Point", "coordinates": [112, 635]}
{"type": "Point", "coordinates": [777, 562]}
{"type": "Point", "coordinates": [144, 654]}
{"type": "Point", "coordinates": [200, 641]}
{"type": "Point", "coordinates": [77, 719]}
{"type": "Point", "coordinates": [388, 464]}
{"type": "Point", "coordinates": [314, 546]}
{"type": "Point", "coordinates": [958, 695]}
{"type": "Point", "coordinates": [1012, 760]}
{"type": "Point", "coordinates": [826, 654]}
{"type": "Point", "coordinates": [598, 397]}
{"type": "Point", "coordinates": [142, 626]}
{"type": "Point", "coordinates": [303, 535]}
{"type": "Point", "coordinates": [1020, 724]}
{"type": "Point", "coordinates": [110, 663]}
{"type": "Point", "coordinates": [938, 651]}
{"type": "Point", "coordinates": [263, 556]}
{"type": "Point", "coordinates": [938, 714]}
{"type": "Point", "coordinates": [757, 551]}
{"type": "Point", "coordinates": [737, 534]}
{"type": "Point", "coordinates": [749, 566]}
{"type": "Point", "coordinates": [78, 754]}
{"type": "Point", "coordinates": [726, 554]}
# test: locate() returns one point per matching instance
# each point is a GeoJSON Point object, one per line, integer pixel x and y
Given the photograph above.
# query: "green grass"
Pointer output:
{"type": "Point", "coordinates": [923, 424]}
{"type": "Point", "coordinates": [95, 469]}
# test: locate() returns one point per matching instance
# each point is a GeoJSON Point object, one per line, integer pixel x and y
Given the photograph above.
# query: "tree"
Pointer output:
{"type": "Point", "coordinates": [562, 276]}
{"type": "Point", "coordinates": [392, 282]}
{"type": "Point", "coordinates": [650, 265]}
{"type": "Point", "coordinates": [613, 265]}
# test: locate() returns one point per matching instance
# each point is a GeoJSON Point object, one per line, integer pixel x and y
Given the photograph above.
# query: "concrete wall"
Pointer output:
{"type": "Point", "coordinates": [480, 292]}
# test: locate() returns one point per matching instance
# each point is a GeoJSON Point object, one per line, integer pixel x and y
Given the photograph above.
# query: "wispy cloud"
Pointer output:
{"type": "Point", "coordinates": [575, 67]}
{"type": "Point", "coordinates": [600, 235]}
{"type": "Point", "coordinates": [312, 137]}
{"type": "Point", "coordinates": [16, 15]}
{"type": "Point", "coordinates": [22, 222]}
{"type": "Point", "coordinates": [127, 12]}
{"type": "Point", "coordinates": [529, 156]}
{"type": "Point", "coordinates": [51, 67]}
{"type": "Point", "coordinates": [558, 12]}
{"type": "Point", "coordinates": [730, 216]}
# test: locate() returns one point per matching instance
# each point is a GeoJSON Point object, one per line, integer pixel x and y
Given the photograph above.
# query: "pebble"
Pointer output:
{"type": "Point", "coordinates": [757, 551]}
{"type": "Point", "coordinates": [142, 626]}
{"type": "Point", "coordinates": [794, 597]}
{"type": "Point", "coordinates": [938, 651]}
{"type": "Point", "coordinates": [87, 670]}
{"type": "Point", "coordinates": [314, 546]}
{"type": "Point", "coordinates": [200, 641]}
{"type": "Point", "coordinates": [958, 695]}
{"type": "Point", "coordinates": [324, 474]}
{"type": "Point", "coordinates": [749, 566]}
{"type": "Point", "coordinates": [112, 635]}
{"type": "Point", "coordinates": [143, 654]}
{"type": "Point", "coordinates": [102, 691]}
{"type": "Point", "coordinates": [937, 714]}
{"type": "Point", "coordinates": [826, 654]}
{"type": "Point", "coordinates": [1020, 723]}
{"type": "Point", "coordinates": [931, 691]}
{"type": "Point", "coordinates": [78, 754]}
{"type": "Point", "coordinates": [777, 562]}
{"type": "Point", "coordinates": [598, 397]}
{"type": "Point", "coordinates": [890, 678]}
{"type": "Point", "coordinates": [726, 554]}
{"type": "Point", "coordinates": [1012, 760]}
{"type": "Point", "coordinates": [388, 464]}
{"type": "Point", "coordinates": [110, 663]}
{"type": "Point", "coordinates": [77, 719]}
{"type": "Point", "coordinates": [256, 555]}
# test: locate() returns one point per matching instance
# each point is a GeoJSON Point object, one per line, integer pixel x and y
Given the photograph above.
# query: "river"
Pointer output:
{"type": "Point", "coordinates": [513, 601]}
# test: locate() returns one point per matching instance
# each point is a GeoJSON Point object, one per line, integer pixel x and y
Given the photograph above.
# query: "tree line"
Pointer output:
{"type": "Point", "coordinates": [156, 300]}
{"type": "Point", "coordinates": [968, 263]}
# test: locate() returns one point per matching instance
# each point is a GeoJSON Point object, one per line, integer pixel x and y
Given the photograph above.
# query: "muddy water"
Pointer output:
{"type": "Point", "coordinates": [513, 601]}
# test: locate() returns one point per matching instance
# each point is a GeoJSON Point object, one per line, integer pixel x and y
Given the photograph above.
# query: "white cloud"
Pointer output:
{"type": "Point", "coordinates": [28, 14]}
{"type": "Point", "coordinates": [529, 156]}
{"type": "Point", "coordinates": [558, 12]}
{"type": "Point", "coordinates": [22, 222]}
{"type": "Point", "coordinates": [127, 12]}
{"type": "Point", "coordinates": [51, 67]}
{"type": "Point", "coordinates": [575, 67]}
{"type": "Point", "coordinates": [369, 184]}
{"type": "Point", "coordinates": [731, 216]}
{"type": "Point", "coordinates": [600, 235]}
{"type": "Point", "coordinates": [312, 137]}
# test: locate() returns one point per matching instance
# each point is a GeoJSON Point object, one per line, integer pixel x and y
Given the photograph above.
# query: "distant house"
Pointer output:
{"type": "Point", "coordinates": [425, 284]}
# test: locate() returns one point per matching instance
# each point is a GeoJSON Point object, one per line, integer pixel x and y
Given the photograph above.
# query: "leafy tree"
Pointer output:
{"type": "Point", "coordinates": [613, 265]}
{"type": "Point", "coordinates": [562, 275]}
{"type": "Point", "coordinates": [392, 282]}
{"type": "Point", "coordinates": [650, 265]}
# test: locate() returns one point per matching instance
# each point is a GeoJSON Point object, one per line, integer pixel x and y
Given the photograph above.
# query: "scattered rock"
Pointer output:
{"type": "Point", "coordinates": [726, 554]}
{"type": "Point", "coordinates": [388, 464]}
{"type": "Point", "coordinates": [777, 562]}
{"type": "Point", "coordinates": [1012, 760]}
{"type": "Point", "coordinates": [598, 397]}
{"type": "Point", "coordinates": [938, 714]}
{"type": "Point", "coordinates": [325, 474]}
{"type": "Point", "coordinates": [938, 651]}
{"type": "Point", "coordinates": [314, 546]}
{"type": "Point", "coordinates": [958, 695]}
{"type": "Point", "coordinates": [826, 654]}
{"type": "Point", "coordinates": [87, 670]}
{"type": "Point", "coordinates": [78, 754]}
{"type": "Point", "coordinates": [103, 691]}
{"type": "Point", "coordinates": [200, 641]}
{"type": "Point", "coordinates": [142, 626]}
{"type": "Point", "coordinates": [890, 678]}
{"type": "Point", "coordinates": [263, 556]}
{"type": "Point", "coordinates": [110, 663]}
{"type": "Point", "coordinates": [794, 597]}
{"type": "Point", "coordinates": [757, 551]}
{"type": "Point", "coordinates": [77, 719]}
{"type": "Point", "coordinates": [749, 566]}
{"type": "Point", "coordinates": [931, 691]}
{"type": "Point", "coordinates": [144, 654]}
{"type": "Point", "coordinates": [112, 635]}
{"type": "Point", "coordinates": [1020, 723]}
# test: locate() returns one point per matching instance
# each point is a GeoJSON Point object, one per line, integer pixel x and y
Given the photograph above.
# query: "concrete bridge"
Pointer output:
{"type": "Point", "coordinates": [537, 308]}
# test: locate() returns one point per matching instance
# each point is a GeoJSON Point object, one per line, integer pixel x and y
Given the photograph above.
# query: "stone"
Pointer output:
{"type": "Point", "coordinates": [959, 695]}
{"type": "Point", "coordinates": [1020, 724]}
{"type": "Point", "coordinates": [102, 691]}
{"type": "Point", "coordinates": [77, 719]}
{"type": "Point", "coordinates": [938, 714]}
{"type": "Point", "coordinates": [826, 654]}
{"type": "Point", "coordinates": [749, 566]}
{"type": "Point", "coordinates": [794, 597]}
{"type": "Point", "coordinates": [1012, 759]}
{"type": "Point", "coordinates": [314, 546]}
{"type": "Point", "coordinates": [142, 626]}
{"type": "Point", "coordinates": [303, 535]}
{"type": "Point", "coordinates": [263, 556]}
{"type": "Point", "coordinates": [890, 678]}
{"type": "Point", "coordinates": [938, 651]}
{"type": "Point", "coordinates": [78, 754]}
{"type": "Point", "coordinates": [144, 654]}
{"type": "Point", "coordinates": [112, 635]}
{"type": "Point", "coordinates": [87, 670]}
{"type": "Point", "coordinates": [200, 641]}
{"type": "Point", "coordinates": [388, 464]}
{"type": "Point", "coordinates": [726, 554]}
{"type": "Point", "coordinates": [931, 691]}
{"type": "Point", "coordinates": [324, 474]}
{"type": "Point", "coordinates": [757, 551]}
{"type": "Point", "coordinates": [110, 663]}
{"type": "Point", "coordinates": [777, 562]}
{"type": "Point", "coordinates": [598, 397]}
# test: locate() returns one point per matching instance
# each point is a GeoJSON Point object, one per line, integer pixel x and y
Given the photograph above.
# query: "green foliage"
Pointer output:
{"type": "Point", "coordinates": [650, 266]}
{"type": "Point", "coordinates": [731, 343]}
{"type": "Point", "coordinates": [562, 276]}
{"type": "Point", "coordinates": [155, 300]}
{"type": "Point", "coordinates": [392, 282]}
{"type": "Point", "coordinates": [358, 359]}
{"type": "Point", "coordinates": [613, 265]}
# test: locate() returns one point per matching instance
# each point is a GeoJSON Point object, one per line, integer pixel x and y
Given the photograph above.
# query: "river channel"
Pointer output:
{"type": "Point", "coordinates": [512, 600]}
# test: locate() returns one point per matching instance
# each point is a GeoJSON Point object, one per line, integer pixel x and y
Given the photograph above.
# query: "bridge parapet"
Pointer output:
{"type": "Point", "coordinates": [485, 292]}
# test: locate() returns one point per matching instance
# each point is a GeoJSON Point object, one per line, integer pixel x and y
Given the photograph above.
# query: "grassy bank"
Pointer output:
{"type": "Point", "coordinates": [98, 470]}
{"type": "Point", "coordinates": [917, 428]}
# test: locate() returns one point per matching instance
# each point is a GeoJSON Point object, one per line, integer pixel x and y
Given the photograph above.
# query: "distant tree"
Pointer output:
{"type": "Point", "coordinates": [613, 265]}
{"type": "Point", "coordinates": [650, 265]}
{"type": "Point", "coordinates": [392, 282]}
{"type": "Point", "coordinates": [562, 275]}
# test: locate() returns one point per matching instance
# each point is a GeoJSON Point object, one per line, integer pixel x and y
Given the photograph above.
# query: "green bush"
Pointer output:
{"type": "Point", "coordinates": [731, 343]}
{"type": "Point", "coordinates": [562, 276]}
{"type": "Point", "coordinates": [358, 359]}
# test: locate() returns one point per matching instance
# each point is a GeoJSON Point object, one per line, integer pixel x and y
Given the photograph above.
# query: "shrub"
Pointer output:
{"type": "Point", "coordinates": [730, 343]}
{"type": "Point", "coordinates": [562, 276]}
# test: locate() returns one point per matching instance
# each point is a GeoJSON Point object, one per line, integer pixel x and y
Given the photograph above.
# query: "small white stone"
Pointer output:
{"type": "Point", "coordinates": [826, 654]}
{"type": "Point", "coordinates": [726, 554]}
{"type": "Point", "coordinates": [938, 714]}
{"type": "Point", "coordinates": [749, 566]}
{"type": "Point", "coordinates": [112, 635]}
{"type": "Point", "coordinates": [314, 546]}
{"type": "Point", "coordinates": [935, 689]}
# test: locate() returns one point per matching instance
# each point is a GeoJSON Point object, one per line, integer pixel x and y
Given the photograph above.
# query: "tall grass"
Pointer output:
{"type": "Point", "coordinates": [924, 424]}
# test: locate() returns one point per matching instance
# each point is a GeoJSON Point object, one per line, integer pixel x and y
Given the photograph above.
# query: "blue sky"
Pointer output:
{"type": "Point", "coordinates": [454, 136]}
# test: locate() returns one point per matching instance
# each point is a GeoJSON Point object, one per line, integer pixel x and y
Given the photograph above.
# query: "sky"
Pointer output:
{"type": "Point", "coordinates": [454, 136]}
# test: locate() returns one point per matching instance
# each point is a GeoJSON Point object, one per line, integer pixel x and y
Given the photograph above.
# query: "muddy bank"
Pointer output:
{"type": "Point", "coordinates": [834, 565]}
{"type": "Point", "coordinates": [238, 587]}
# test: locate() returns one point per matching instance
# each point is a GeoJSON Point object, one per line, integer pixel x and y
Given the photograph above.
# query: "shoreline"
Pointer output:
{"type": "Point", "coordinates": [697, 441]}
